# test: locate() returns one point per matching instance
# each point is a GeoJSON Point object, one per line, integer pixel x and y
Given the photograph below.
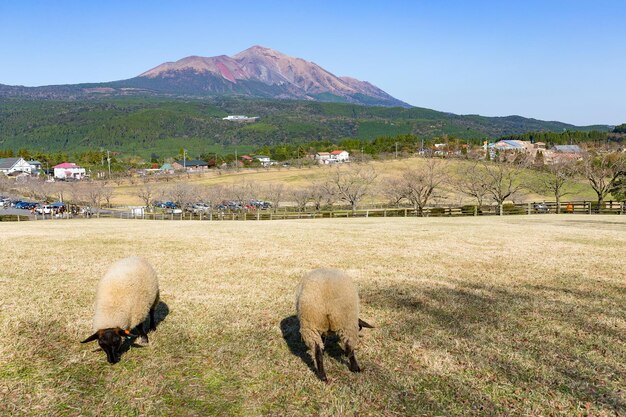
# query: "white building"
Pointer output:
{"type": "Point", "coordinates": [9, 166]}
{"type": "Point", "coordinates": [240, 118]}
{"type": "Point", "coordinates": [69, 170]}
{"type": "Point", "coordinates": [333, 157]}
{"type": "Point", "coordinates": [339, 156]}
{"type": "Point", "coordinates": [264, 160]}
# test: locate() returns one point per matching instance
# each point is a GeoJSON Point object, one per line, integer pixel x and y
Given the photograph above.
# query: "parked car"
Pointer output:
{"type": "Point", "coordinates": [198, 208]}
{"type": "Point", "coordinates": [25, 205]}
{"type": "Point", "coordinates": [541, 208]}
{"type": "Point", "coordinates": [43, 209]}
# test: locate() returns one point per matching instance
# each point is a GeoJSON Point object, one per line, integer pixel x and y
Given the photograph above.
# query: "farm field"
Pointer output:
{"type": "Point", "coordinates": [126, 193]}
{"type": "Point", "coordinates": [519, 315]}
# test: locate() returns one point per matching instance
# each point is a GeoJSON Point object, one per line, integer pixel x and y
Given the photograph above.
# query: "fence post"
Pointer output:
{"type": "Point", "coordinates": [528, 209]}
{"type": "Point", "coordinates": [405, 212]}
{"type": "Point", "coordinates": [258, 214]}
{"type": "Point", "coordinates": [367, 213]}
{"type": "Point", "coordinates": [475, 211]}
{"type": "Point", "coordinates": [590, 207]}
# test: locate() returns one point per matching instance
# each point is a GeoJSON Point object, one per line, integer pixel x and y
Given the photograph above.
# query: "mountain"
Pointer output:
{"type": "Point", "coordinates": [161, 125]}
{"type": "Point", "coordinates": [256, 72]}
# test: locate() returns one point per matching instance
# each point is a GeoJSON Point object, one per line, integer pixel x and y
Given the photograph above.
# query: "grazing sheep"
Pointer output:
{"type": "Point", "coordinates": [126, 295]}
{"type": "Point", "coordinates": [327, 301]}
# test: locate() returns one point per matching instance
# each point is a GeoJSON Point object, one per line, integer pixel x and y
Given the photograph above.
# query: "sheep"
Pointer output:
{"type": "Point", "coordinates": [327, 301]}
{"type": "Point", "coordinates": [125, 296]}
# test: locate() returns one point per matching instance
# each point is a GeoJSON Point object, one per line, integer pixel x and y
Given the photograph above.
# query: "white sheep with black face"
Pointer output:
{"type": "Point", "coordinates": [125, 296]}
{"type": "Point", "coordinates": [327, 301]}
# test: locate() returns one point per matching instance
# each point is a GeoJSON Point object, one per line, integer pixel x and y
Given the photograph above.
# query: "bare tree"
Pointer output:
{"type": "Point", "coordinates": [502, 181]}
{"type": "Point", "coordinates": [300, 196]}
{"type": "Point", "coordinates": [322, 194]}
{"type": "Point", "coordinates": [353, 184]}
{"type": "Point", "coordinates": [34, 188]}
{"type": "Point", "coordinates": [602, 170]}
{"type": "Point", "coordinates": [419, 184]}
{"type": "Point", "coordinates": [471, 182]}
{"type": "Point", "coordinates": [183, 194]}
{"type": "Point", "coordinates": [146, 192]}
{"type": "Point", "coordinates": [107, 193]}
{"type": "Point", "coordinates": [393, 191]}
{"type": "Point", "coordinates": [274, 194]}
{"type": "Point", "coordinates": [557, 176]}
{"type": "Point", "coordinates": [92, 192]}
{"type": "Point", "coordinates": [243, 191]}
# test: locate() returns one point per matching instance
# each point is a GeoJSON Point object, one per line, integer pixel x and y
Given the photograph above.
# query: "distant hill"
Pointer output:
{"type": "Point", "coordinates": [146, 125]}
{"type": "Point", "coordinates": [257, 72]}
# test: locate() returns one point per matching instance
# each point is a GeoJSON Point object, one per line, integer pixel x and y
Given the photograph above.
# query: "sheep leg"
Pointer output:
{"type": "Point", "coordinates": [319, 359]}
{"type": "Point", "coordinates": [142, 333]}
{"type": "Point", "coordinates": [152, 321]}
{"type": "Point", "coordinates": [354, 365]}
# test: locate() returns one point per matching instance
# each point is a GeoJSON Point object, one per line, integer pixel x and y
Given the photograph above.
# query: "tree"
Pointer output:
{"type": "Point", "coordinates": [419, 184]}
{"type": "Point", "coordinates": [557, 176]}
{"type": "Point", "coordinates": [618, 190]}
{"type": "Point", "coordinates": [353, 184]}
{"type": "Point", "coordinates": [300, 196]}
{"type": "Point", "coordinates": [393, 190]}
{"type": "Point", "coordinates": [183, 194]}
{"type": "Point", "coordinates": [322, 194]}
{"type": "Point", "coordinates": [146, 192]}
{"type": "Point", "coordinates": [501, 181]}
{"type": "Point", "coordinates": [274, 194]}
{"type": "Point", "coordinates": [602, 171]}
{"type": "Point", "coordinates": [471, 181]}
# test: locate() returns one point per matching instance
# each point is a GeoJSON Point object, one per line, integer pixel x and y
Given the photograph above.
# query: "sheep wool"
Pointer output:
{"type": "Point", "coordinates": [125, 294]}
{"type": "Point", "coordinates": [327, 301]}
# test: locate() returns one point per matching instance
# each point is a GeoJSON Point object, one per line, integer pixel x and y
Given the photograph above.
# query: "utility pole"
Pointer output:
{"type": "Point", "coordinates": [396, 150]}
{"type": "Point", "coordinates": [185, 160]}
{"type": "Point", "coordinates": [109, 162]}
{"type": "Point", "coordinates": [236, 161]}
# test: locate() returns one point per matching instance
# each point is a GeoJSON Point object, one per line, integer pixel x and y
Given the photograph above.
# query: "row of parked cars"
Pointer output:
{"type": "Point", "coordinates": [201, 207]}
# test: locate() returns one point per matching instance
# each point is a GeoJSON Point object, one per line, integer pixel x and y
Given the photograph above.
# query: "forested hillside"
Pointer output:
{"type": "Point", "coordinates": [147, 125]}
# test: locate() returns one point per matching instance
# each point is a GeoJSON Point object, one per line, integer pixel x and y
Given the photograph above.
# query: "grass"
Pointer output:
{"type": "Point", "coordinates": [474, 316]}
{"type": "Point", "coordinates": [293, 177]}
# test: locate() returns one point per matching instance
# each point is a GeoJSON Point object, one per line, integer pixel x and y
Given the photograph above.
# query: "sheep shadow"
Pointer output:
{"type": "Point", "coordinates": [160, 313]}
{"type": "Point", "coordinates": [290, 329]}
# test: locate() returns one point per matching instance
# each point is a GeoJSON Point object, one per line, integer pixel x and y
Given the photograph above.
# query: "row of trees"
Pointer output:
{"type": "Point", "coordinates": [419, 186]}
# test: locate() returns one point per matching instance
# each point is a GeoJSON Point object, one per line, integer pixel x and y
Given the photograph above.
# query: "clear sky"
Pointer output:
{"type": "Point", "coordinates": [550, 59]}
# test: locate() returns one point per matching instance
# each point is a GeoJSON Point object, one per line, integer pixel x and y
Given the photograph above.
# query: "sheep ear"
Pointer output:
{"type": "Point", "coordinates": [91, 338]}
{"type": "Point", "coordinates": [364, 324]}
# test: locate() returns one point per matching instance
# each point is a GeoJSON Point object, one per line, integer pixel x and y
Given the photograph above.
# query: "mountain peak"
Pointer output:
{"type": "Point", "coordinates": [265, 72]}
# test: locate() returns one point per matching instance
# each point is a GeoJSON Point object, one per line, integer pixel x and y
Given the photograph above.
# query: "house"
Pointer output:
{"type": "Point", "coordinates": [339, 156]}
{"type": "Point", "coordinates": [35, 166]}
{"type": "Point", "coordinates": [68, 170]}
{"type": "Point", "coordinates": [323, 157]}
{"type": "Point", "coordinates": [567, 149]}
{"type": "Point", "coordinates": [264, 160]}
{"type": "Point", "coordinates": [565, 153]}
{"type": "Point", "coordinates": [510, 145]}
{"type": "Point", "coordinates": [191, 165]}
{"type": "Point", "coordinates": [9, 166]}
{"type": "Point", "coordinates": [246, 159]}
{"type": "Point", "coordinates": [167, 169]}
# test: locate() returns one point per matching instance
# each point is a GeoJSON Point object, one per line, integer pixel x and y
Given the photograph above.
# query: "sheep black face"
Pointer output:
{"type": "Point", "coordinates": [110, 340]}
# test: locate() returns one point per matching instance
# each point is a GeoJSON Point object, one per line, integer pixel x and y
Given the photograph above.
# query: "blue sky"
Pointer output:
{"type": "Point", "coordinates": [550, 59]}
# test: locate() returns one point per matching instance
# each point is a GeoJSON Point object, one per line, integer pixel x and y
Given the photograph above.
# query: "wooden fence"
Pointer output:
{"type": "Point", "coordinates": [569, 207]}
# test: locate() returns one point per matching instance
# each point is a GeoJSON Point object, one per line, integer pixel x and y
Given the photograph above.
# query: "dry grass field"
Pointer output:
{"type": "Point", "coordinates": [520, 315]}
{"type": "Point", "coordinates": [293, 177]}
